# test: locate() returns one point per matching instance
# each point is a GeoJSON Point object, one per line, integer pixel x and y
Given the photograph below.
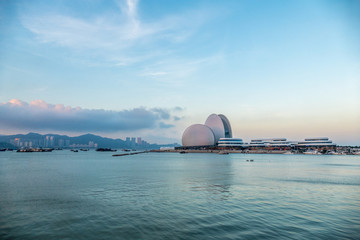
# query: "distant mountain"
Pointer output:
{"type": "Point", "coordinates": [101, 141]}
{"type": "Point", "coordinates": [86, 140]}
{"type": "Point", "coordinates": [6, 145]}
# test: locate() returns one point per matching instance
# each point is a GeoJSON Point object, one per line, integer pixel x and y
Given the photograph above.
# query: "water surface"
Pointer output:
{"type": "Point", "coordinates": [92, 195]}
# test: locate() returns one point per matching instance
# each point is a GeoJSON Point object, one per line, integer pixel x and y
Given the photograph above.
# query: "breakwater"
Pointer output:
{"type": "Point", "coordinates": [127, 154]}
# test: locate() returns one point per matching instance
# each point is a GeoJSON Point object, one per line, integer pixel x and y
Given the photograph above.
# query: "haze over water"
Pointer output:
{"type": "Point", "coordinates": [91, 195]}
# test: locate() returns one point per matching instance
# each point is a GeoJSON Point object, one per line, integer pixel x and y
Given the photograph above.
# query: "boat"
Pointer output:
{"type": "Point", "coordinates": [312, 152]}
{"type": "Point", "coordinates": [223, 152]}
{"type": "Point", "coordinates": [35, 150]}
{"type": "Point", "coordinates": [106, 150]}
{"type": "Point", "coordinates": [288, 152]}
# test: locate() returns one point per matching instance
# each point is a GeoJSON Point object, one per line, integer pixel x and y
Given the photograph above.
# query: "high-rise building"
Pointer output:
{"type": "Point", "coordinates": [16, 142]}
{"type": "Point", "coordinates": [138, 140]}
{"type": "Point", "coordinates": [47, 141]}
{"type": "Point", "coordinates": [61, 142]}
{"type": "Point", "coordinates": [51, 141]}
{"type": "Point", "coordinates": [133, 142]}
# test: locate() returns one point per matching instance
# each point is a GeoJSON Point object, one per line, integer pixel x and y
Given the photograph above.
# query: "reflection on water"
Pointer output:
{"type": "Point", "coordinates": [90, 195]}
{"type": "Point", "coordinates": [212, 178]}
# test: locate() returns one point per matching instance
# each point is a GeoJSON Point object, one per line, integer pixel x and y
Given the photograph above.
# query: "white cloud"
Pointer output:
{"type": "Point", "coordinates": [121, 36]}
{"type": "Point", "coordinates": [176, 71]}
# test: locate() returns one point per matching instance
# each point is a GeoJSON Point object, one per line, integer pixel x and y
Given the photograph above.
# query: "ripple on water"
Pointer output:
{"type": "Point", "coordinates": [167, 196]}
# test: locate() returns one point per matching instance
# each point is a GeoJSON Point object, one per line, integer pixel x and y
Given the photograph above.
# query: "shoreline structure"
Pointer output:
{"type": "Point", "coordinates": [339, 150]}
{"type": "Point", "coordinates": [216, 136]}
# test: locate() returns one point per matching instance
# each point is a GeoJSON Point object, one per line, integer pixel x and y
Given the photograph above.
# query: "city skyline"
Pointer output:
{"type": "Point", "coordinates": [151, 68]}
{"type": "Point", "coordinates": [35, 140]}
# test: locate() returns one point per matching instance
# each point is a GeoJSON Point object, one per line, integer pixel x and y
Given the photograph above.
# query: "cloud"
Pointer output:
{"type": "Point", "coordinates": [177, 70]}
{"type": "Point", "coordinates": [164, 114]}
{"type": "Point", "coordinates": [39, 115]}
{"type": "Point", "coordinates": [121, 37]}
{"type": "Point", "coordinates": [165, 125]}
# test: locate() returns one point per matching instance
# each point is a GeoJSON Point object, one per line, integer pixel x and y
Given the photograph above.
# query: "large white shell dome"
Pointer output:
{"type": "Point", "coordinates": [227, 126]}
{"type": "Point", "coordinates": [198, 135]}
{"type": "Point", "coordinates": [217, 126]}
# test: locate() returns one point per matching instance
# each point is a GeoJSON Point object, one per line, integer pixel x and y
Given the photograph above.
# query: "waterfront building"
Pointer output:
{"type": "Point", "coordinates": [220, 126]}
{"type": "Point", "coordinates": [217, 133]}
{"type": "Point", "coordinates": [270, 142]}
{"type": "Point", "coordinates": [208, 134]}
{"type": "Point", "coordinates": [61, 143]}
{"type": "Point", "coordinates": [316, 142]}
{"type": "Point", "coordinates": [230, 142]}
{"type": "Point", "coordinates": [198, 135]}
{"type": "Point", "coordinates": [51, 141]}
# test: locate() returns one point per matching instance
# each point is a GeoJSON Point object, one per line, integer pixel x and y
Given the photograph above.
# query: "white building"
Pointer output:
{"type": "Point", "coordinates": [270, 142]}
{"type": "Point", "coordinates": [230, 142]}
{"type": "Point", "coordinates": [208, 134]}
{"type": "Point", "coordinates": [282, 142]}
{"type": "Point", "coordinates": [318, 142]}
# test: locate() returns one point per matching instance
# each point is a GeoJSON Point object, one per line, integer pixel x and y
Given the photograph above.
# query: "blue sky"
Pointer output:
{"type": "Point", "coordinates": [151, 68]}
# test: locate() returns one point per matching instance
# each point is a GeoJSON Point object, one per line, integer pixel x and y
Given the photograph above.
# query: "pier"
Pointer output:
{"type": "Point", "coordinates": [126, 154]}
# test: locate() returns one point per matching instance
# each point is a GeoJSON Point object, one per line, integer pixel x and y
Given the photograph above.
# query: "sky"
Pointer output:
{"type": "Point", "coordinates": [151, 68]}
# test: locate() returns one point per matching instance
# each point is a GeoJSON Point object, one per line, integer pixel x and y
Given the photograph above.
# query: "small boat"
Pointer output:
{"type": "Point", "coordinates": [182, 152]}
{"type": "Point", "coordinates": [105, 150]}
{"type": "Point", "coordinates": [288, 152]}
{"type": "Point", "coordinates": [223, 152]}
{"type": "Point", "coordinates": [312, 153]}
{"type": "Point", "coordinates": [35, 150]}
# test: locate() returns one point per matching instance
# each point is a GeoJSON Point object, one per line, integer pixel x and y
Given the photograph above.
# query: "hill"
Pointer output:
{"type": "Point", "coordinates": [63, 141]}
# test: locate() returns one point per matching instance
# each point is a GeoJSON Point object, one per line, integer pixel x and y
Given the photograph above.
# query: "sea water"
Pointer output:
{"type": "Point", "coordinates": [92, 195]}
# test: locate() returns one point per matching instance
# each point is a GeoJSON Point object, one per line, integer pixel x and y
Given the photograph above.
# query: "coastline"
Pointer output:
{"type": "Point", "coordinates": [259, 151]}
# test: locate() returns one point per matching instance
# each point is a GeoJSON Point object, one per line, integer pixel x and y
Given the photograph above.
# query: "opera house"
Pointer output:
{"type": "Point", "coordinates": [217, 129]}
{"type": "Point", "coordinates": [217, 133]}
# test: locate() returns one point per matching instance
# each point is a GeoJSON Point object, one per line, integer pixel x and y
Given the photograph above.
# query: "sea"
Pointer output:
{"type": "Point", "coordinates": [93, 195]}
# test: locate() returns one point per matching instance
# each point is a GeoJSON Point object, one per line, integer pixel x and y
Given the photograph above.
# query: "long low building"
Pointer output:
{"type": "Point", "coordinates": [283, 142]}
{"type": "Point", "coordinates": [279, 142]}
{"type": "Point", "coordinates": [230, 142]}
{"type": "Point", "coordinates": [309, 142]}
